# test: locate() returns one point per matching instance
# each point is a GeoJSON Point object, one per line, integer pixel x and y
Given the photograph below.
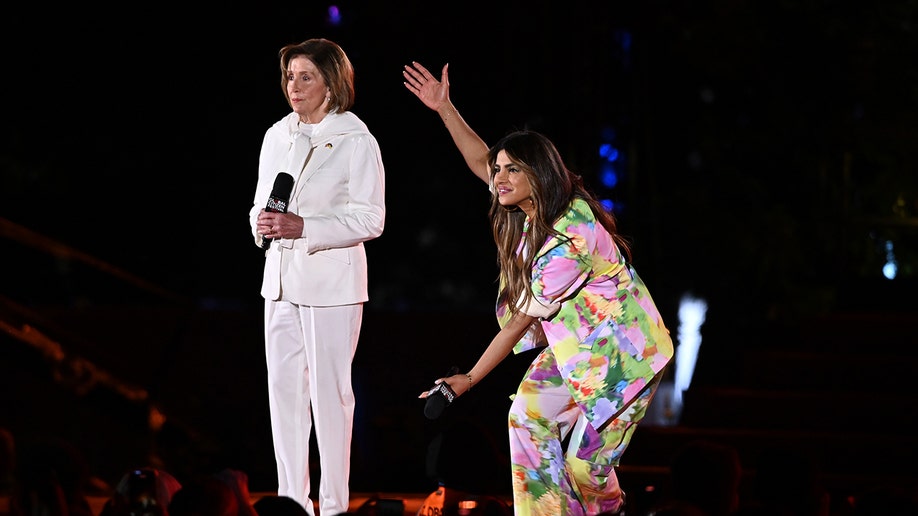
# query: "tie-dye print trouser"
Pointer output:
{"type": "Point", "coordinates": [549, 480]}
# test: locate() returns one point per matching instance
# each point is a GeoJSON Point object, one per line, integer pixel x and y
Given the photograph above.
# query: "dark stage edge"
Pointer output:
{"type": "Point", "coordinates": [412, 501]}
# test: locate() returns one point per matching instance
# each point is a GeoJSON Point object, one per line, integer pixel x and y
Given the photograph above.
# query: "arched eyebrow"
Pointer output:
{"type": "Point", "coordinates": [511, 164]}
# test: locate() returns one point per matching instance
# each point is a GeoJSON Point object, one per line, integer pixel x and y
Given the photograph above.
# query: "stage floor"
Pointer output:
{"type": "Point", "coordinates": [386, 503]}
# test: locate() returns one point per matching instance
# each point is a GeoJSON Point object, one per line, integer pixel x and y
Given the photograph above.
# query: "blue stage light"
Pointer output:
{"type": "Point", "coordinates": [608, 176]}
{"type": "Point", "coordinates": [609, 152]}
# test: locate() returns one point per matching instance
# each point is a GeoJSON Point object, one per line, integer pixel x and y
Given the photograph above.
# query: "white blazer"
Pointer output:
{"type": "Point", "coordinates": [339, 187]}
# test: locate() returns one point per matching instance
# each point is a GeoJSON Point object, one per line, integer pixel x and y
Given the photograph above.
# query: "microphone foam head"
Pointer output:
{"type": "Point", "coordinates": [283, 185]}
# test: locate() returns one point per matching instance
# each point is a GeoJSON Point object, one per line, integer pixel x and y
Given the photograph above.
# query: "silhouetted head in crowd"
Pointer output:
{"type": "Point", "coordinates": [51, 477]}
{"type": "Point", "coordinates": [204, 496]}
{"type": "Point", "coordinates": [142, 492]}
{"type": "Point", "coordinates": [238, 482]}
{"type": "Point", "coordinates": [274, 505]}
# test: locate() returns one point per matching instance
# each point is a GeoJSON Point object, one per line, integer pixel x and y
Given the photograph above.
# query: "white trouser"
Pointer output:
{"type": "Point", "coordinates": [309, 353]}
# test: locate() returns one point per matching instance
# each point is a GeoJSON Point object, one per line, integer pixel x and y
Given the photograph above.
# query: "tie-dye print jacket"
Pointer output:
{"type": "Point", "coordinates": [597, 317]}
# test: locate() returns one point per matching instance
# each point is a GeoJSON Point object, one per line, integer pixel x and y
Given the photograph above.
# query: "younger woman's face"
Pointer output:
{"type": "Point", "coordinates": [511, 184]}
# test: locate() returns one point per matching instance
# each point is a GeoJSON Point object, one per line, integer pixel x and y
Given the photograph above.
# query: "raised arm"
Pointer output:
{"type": "Point", "coordinates": [435, 95]}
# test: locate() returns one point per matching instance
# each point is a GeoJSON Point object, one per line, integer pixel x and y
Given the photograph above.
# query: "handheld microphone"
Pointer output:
{"type": "Point", "coordinates": [440, 396]}
{"type": "Point", "coordinates": [280, 196]}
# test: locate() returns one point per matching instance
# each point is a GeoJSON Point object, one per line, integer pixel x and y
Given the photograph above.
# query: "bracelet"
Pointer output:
{"type": "Point", "coordinates": [447, 115]}
{"type": "Point", "coordinates": [469, 376]}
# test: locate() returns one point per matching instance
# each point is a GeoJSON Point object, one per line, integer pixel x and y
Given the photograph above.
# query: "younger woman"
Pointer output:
{"type": "Point", "coordinates": [565, 285]}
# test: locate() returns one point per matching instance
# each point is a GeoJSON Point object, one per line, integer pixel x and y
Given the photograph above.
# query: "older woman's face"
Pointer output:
{"type": "Point", "coordinates": [511, 184]}
{"type": "Point", "coordinates": [306, 88]}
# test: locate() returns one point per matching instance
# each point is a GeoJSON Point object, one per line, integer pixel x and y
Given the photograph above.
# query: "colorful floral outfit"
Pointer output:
{"type": "Point", "coordinates": [606, 349]}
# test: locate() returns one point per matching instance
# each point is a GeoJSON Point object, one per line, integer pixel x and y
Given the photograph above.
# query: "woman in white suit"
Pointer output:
{"type": "Point", "coordinates": [315, 276]}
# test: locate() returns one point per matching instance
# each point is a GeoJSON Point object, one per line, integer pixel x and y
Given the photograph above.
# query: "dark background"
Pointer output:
{"type": "Point", "coordinates": [767, 155]}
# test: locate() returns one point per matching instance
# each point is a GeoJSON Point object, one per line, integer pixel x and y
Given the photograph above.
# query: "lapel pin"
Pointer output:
{"type": "Point", "coordinates": [328, 146]}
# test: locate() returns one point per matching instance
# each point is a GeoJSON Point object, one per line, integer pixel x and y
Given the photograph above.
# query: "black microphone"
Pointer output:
{"type": "Point", "coordinates": [280, 196]}
{"type": "Point", "coordinates": [440, 396]}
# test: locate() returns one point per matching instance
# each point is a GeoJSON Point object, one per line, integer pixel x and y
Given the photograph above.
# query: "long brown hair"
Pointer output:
{"type": "Point", "coordinates": [554, 187]}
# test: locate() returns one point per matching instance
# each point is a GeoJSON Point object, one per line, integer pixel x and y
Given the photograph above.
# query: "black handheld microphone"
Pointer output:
{"type": "Point", "coordinates": [280, 196]}
{"type": "Point", "coordinates": [440, 396]}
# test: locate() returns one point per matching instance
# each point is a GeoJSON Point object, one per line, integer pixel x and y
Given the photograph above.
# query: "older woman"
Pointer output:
{"type": "Point", "coordinates": [315, 274]}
